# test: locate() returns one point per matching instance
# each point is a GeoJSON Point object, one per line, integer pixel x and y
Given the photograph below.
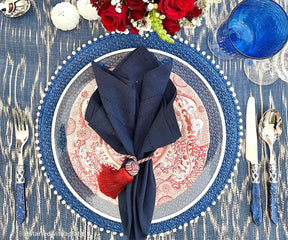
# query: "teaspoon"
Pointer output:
{"type": "Point", "coordinates": [270, 128]}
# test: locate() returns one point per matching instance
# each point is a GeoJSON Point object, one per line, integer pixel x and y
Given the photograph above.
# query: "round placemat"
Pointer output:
{"type": "Point", "coordinates": [113, 42]}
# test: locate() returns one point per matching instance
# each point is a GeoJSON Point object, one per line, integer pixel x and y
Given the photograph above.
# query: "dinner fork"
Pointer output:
{"type": "Point", "coordinates": [21, 134]}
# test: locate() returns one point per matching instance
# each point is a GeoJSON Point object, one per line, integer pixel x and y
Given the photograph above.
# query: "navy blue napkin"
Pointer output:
{"type": "Point", "coordinates": [132, 110]}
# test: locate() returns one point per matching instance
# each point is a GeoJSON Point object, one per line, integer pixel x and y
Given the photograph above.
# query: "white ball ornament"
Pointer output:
{"type": "Point", "coordinates": [86, 10]}
{"type": "Point", "coordinates": [65, 16]}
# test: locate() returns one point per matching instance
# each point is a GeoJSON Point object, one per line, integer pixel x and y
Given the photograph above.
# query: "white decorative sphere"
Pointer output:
{"type": "Point", "coordinates": [86, 10]}
{"type": "Point", "coordinates": [65, 16]}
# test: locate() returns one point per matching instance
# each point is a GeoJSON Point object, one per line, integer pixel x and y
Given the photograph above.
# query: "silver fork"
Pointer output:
{"type": "Point", "coordinates": [21, 134]}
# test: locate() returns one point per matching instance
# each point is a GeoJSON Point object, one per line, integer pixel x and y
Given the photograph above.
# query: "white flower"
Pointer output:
{"type": "Point", "coordinates": [197, 126]}
{"type": "Point", "coordinates": [150, 7]}
{"type": "Point", "coordinates": [143, 25]}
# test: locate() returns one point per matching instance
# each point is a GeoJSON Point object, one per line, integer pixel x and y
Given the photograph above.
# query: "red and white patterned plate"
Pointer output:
{"type": "Point", "coordinates": [176, 166]}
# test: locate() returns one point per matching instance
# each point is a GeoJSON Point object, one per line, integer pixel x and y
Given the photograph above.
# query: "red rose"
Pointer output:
{"type": "Point", "coordinates": [136, 4]}
{"type": "Point", "coordinates": [111, 19]}
{"type": "Point", "coordinates": [171, 26]}
{"type": "Point", "coordinates": [175, 9]}
{"type": "Point", "coordinates": [135, 15]}
{"type": "Point", "coordinates": [193, 12]}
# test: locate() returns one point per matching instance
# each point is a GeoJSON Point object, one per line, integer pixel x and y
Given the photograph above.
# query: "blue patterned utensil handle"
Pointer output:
{"type": "Point", "coordinates": [273, 196]}
{"type": "Point", "coordinates": [255, 198]}
{"type": "Point", "coordinates": [20, 197]}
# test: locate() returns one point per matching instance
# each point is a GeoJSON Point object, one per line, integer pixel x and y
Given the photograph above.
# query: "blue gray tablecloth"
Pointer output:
{"type": "Point", "coordinates": [32, 49]}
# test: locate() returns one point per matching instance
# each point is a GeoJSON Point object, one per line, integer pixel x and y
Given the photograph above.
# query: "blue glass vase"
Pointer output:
{"type": "Point", "coordinates": [255, 29]}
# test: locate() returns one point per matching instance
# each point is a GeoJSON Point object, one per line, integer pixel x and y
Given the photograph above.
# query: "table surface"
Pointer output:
{"type": "Point", "coordinates": [31, 50]}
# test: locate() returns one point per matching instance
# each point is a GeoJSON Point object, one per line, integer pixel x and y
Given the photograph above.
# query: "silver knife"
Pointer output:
{"type": "Point", "coordinates": [252, 157]}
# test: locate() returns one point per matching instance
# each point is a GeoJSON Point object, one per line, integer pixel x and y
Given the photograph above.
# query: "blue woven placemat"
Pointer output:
{"type": "Point", "coordinates": [96, 48]}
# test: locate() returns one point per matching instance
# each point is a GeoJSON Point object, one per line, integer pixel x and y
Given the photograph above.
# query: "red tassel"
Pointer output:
{"type": "Point", "coordinates": [112, 181]}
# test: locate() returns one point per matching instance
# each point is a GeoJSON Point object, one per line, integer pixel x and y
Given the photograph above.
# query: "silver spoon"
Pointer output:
{"type": "Point", "coordinates": [270, 128]}
{"type": "Point", "coordinates": [14, 8]}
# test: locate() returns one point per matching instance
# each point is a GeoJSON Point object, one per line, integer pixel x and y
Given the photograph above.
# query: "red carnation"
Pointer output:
{"type": "Point", "coordinates": [111, 19]}
{"type": "Point", "coordinates": [171, 26]}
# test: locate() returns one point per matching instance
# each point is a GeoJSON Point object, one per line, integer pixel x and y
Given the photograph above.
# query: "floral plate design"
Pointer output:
{"type": "Point", "coordinates": [176, 166]}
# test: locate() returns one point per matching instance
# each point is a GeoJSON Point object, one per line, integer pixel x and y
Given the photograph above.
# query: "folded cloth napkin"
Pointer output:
{"type": "Point", "coordinates": [132, 110]}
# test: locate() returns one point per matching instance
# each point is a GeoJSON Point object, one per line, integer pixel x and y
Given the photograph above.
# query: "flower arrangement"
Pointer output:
{"type": "Point", "coordinates": [166, 17]}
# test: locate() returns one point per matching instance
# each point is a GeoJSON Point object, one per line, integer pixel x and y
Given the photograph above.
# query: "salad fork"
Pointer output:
{"type": "Point", "coordinates": [21, 134]}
